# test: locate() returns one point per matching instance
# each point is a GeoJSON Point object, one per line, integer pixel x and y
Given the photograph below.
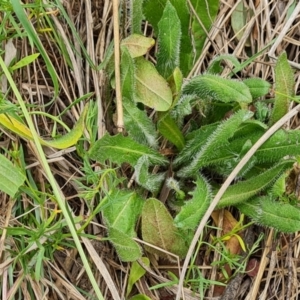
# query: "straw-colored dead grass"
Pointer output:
{"type": "Point", "coordinates": [278, 273]}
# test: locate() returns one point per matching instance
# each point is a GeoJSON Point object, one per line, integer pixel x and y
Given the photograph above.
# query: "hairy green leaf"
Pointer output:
{"type": "Point", "coordinates": [169, 34]}
{"type": "Point", "coordinates": [169, 129]}
{"type": "Point", "coordinates": [284, 89]}
{"type": "Point", "coordinates": [194, 209]}
{"type": "Point", "coordinates": [218, 139]}
{"type": "Point", "coordinates": [137, 45]}
{"type": "Point", "coordinates": [120, 149]}
{"type": "Point", "coordinates": [257, 86]}
{"type": "Point", "coordinates": [11, 177]}
{"type": "Point", "coordinates": [206, 11]}
{"type": "Point", "coordinates": [268, 212]}
{"type": "Point", "coordinates": [126, 247]}
{"type": "Point", "coordinates": [122, 211]}
{"type": "Point", "coordinates": [151, 88]}
{"type": "Point", "coordinates": [215, 66]}
{"type": "Point", "coordinates": [158, 229]}
{"type": "Point", "coordinates": [136, 16]}
{"type": "Point", "coordinates": [151, 182]}
{"type": "Point", "coordinates": [153, 10]}
{"type": "Point", "coordinates": [214, 87]}
{"type": "Point", "coordinates": [139, 125]}
{"type": "Point", "coordinates": [244, 190]}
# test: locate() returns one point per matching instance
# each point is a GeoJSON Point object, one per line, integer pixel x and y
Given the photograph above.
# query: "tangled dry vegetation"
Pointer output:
{"type": "Point", "coordinates": [63, 276]}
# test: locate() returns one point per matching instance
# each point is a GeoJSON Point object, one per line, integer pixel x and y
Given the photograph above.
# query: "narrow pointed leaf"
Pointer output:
{"type": "Point", "coordinates": [120, 149]}
{"type": "Point", "coordinates": [217, 140]}
{"type": "Point", "coordinates": [136, 272]}
{"type": "Point", "coordinates": [194, 209]}
{"type": "Point", "coordinates": [284, 88]}
{"type": "Point", "coordinates": [11, 177]}
{"type": "Point", "coordinates": [158, 229]}
{"type": "Point", "coordinates": [245, 190]}
{"type": "Point", "coordinates": [151, 88]}
{"type": "Point", "coordinates": [215, 65]}
{"type": "Point", "coordinates": [137, 45]}
{"type": "Point", "coordinates": [139, 125]}
{"type": "Point", "coordinates": [63, 142]}
{"type": "Point", "coordinates": [169, 34]}
{"type": "Point", "coordinates": [153, 10]}
{"type": "Point", "coordinates": [126, 247]}
{"type": "Point", "coordinates": [136, 15]}
{"type": "Point", "coordinates": [214, 87]}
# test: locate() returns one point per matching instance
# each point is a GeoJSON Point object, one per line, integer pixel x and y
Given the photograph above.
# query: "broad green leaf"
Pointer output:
{"type": "Point", "coordinates": [206, 11]}
{"type": "Point", "coordinates": [257, 86]}
{"type": "Point", "coordinates": [136, 272]}
{"type": "Point", "coordinates": [120, 149]}
{"type": "Point", "coordinates": [239, 21]}
{"type": "Point", "coordinates": [127, 74]}
{"type": "Point", "coordinates": [126, 247]}
{"type": "Point", "coordinates": [63, 142]}
{"type": "Point", "coordinates": [25, 61]}
{"type": "Point", "coordinates": [169, 130]}
{"type": "Point", "coordinates": [218, 139]}
{"type": "Point", "coordinates": [136, 16]}
{"type": "Point", "coordinates": [151, 182]}
{"type": "Point", "coordinates": [169, 34]}
{"type": "Point", "coordinates": [151, 88]}
{"type": "Point", "coordinates": [244, 190]}
{"type": "Point", "coordinates": [139, 126]}
{"type": "Point", "coordinates": [194, 209]}
{"type": "Point", "coordinates": [159, 230]}
{"type": "Point", "coordinates": [214, 87]}
{"type": "Point", "coordinates": [267, 212]}
{"type": "Point", "coordinates": [11, 177]}
{"type": "Point", "coordinates": [284, 88]}
{"type": "Point", "coordinates": [153, 10]}
{"type": "Point", "coordinates": [137, 45]}
{"type": "Point", "coordinates": [215, 66]}
{"type": "Point", "coordinates": [122, 211]}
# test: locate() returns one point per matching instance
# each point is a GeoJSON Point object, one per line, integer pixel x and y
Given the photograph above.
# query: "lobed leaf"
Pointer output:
{"type": "Point", "coordinates": [194, 209]}
{"type": "Point", "coordinates": [209, 86]}
{"type": "Point", "coordinates": [151, 88]}
{"type": "Point", "coordinates": [120, 149]}
{"type": "Point", "coordinates": [169, 34]}
{"type": "Point", "coordinates": [244, 190]}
